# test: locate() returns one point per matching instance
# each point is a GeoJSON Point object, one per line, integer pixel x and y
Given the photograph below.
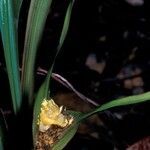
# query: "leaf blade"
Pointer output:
{"type": "Point", "coordinates": [65, 25]}
{"type": "Point", "coordinates": [44, 89]}
{"type": "Point", "coordinates": [120, 102]}
{"type": "Point", "coordinates": [38, 12]}
{"type": "Point", "coordinates": [60, 44]}
{"type": "Point", "coordinates": [37, 107]}
{"type": "Point", "coordinates": [114, 103]}
{"type": "Point", "coordinates": [17, 5]}
{"type": "Point", "coordinates": [10, 47]}
{"type": "Point", "coordinates": [69, 133]}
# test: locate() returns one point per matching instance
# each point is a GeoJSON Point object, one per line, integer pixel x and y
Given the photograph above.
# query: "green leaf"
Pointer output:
{"type": "Point", "coordinates": [69, 133]}
{"type": "Point", "coordinates": [80, 117]}
{"type": "Point", "coordinates": [9, 39]}
{"type": "Point", "coordinates": [38, 12]}
{"type": "Point", "coordinates": [37, 108]}
{"type": "Point", "coordinates": [120, 102]}
{"type": "Point", "coordinates": [44, 90]}
{"type": "Point", "coordinates": [65, 25]}
{"type": "Point", "coordinates": [17, 6]}
{"type": "Point", "coordinates": [61, 41]}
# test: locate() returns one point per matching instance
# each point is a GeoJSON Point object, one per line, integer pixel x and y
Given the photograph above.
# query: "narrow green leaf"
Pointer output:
{"type": "Point", "coordinates": [80, 117]}
{"type": "Point", "coordinates": [38, 12]}
{"type": "Point", "coordinates": [17, 6]}
{"type": "Point", "coordinates": [120, 102]}
{"type": "Point", "coordinates": [61, 41]}
{"type": "Point", "coordinates": [69, 133]}
{"type": "Point", "coordinates": [65, 25]}
{"type": "Point", "coordinates": [9, 39]}
{"type": "Point", "coordinates": [44, 90]}
{"type": "Point", "coordinates": [37, 108]}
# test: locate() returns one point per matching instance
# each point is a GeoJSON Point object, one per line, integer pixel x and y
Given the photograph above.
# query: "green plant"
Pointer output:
{"type": "Point", "coordinates": [22, 86]}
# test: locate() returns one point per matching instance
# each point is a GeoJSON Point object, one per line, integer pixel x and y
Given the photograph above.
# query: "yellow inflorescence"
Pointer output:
{"type": "Point", "coordinates": [51, 114]}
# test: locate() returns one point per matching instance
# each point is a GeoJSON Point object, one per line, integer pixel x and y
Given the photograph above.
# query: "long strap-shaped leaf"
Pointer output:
{"type": "Point", "coordinates": [61, 41]}
{"type": "Point", "coordinates": [44, 89]}
{"type": "Point", "coordinates": [9, 39]}
{"type": "Point", "coordinates": [80, 116]}
{"type": "Point", "coordinates": [38, 12]}
{"type": "Point", "coordinates": [120, 102]}
{"type": "Point", "coordinates": [69, 133]}
{"type": "Point", "coordinates": [17, 6]}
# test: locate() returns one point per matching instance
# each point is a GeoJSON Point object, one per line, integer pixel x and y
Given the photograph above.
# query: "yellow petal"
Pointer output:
{"type": "Point", "coordinates": [52, 114]}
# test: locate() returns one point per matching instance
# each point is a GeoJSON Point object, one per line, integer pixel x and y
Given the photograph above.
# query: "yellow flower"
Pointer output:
{"type": "Point", "coordinates": [52, 114]}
